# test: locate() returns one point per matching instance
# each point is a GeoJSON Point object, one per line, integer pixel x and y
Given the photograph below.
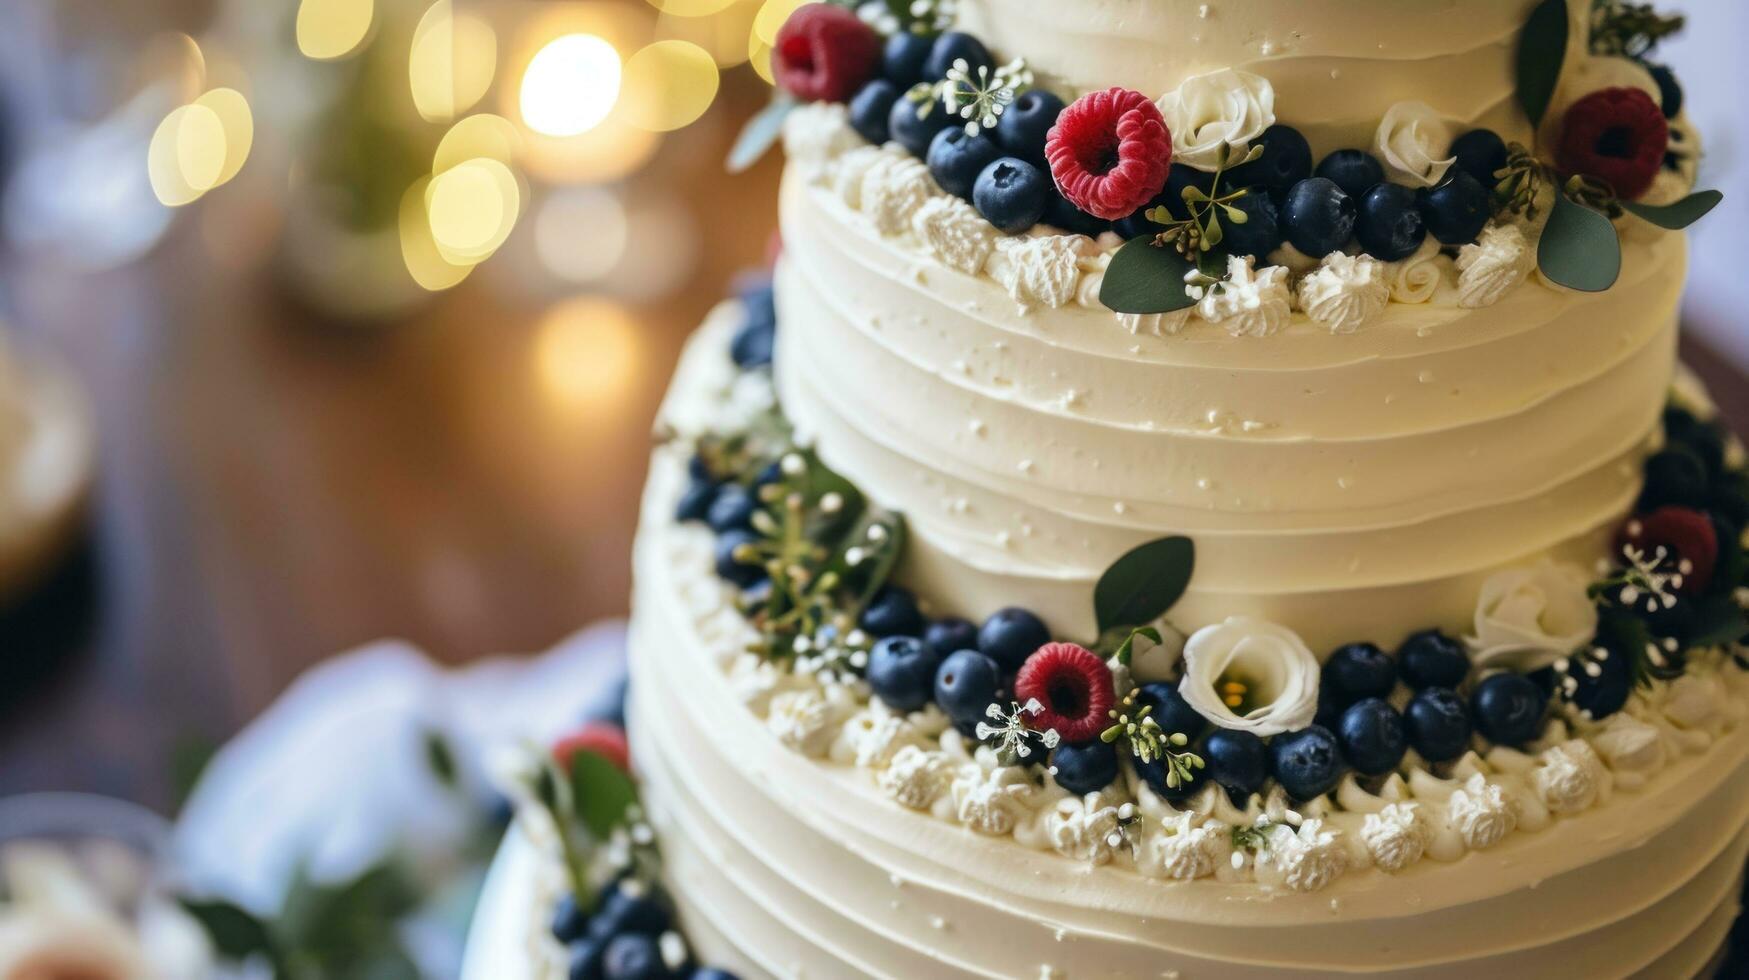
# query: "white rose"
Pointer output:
{"type": "Point", "coordinates": [1214, 117]}
{"type": "Point", "coordinates": [1413, 141]}
{"type": "Point", "coordinates": [1279, 675]}
{"type": "Point", "coordinates": [1527, 618]}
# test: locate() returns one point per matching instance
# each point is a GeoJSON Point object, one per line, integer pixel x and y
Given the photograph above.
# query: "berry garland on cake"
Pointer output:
{"type": "Point", "coordinates": [1511, 725]}
{"type": "Point", "coordinates": [1202, 200]}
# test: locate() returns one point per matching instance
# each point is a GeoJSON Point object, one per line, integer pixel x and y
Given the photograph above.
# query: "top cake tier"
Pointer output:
{"type": "Point", "coordinates": [1336, 65]}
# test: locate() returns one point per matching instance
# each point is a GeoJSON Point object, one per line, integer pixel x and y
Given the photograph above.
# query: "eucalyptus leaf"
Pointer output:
{"type": "Point", "coordinates": [1680, 214]}
{"type": "Point", "coordinates": [1140, 586]}
{"type": "Point", "coordinates": [1145, 278]}
{"type": "Point", "coordinates": [1579, 248]}
{"type": "Point", "coordinates": [600, 792]}
{"type": "Point", "coordinates": [759, 134]}
{"type": "Point", "coordinates": [1125, 649]}
{"type": "Point", "coordinates": [1542, 47]}
{"type": "Point", "coordinates": [235, 932]}
{"type": "Point", "coordinates": [1718, 622]}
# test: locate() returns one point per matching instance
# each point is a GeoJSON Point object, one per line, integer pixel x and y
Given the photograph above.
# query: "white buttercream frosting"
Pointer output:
{"type": "Point", "coordinates": [1481, 813]}
{"type": "Point", "coordinates": [1498, 260]}
{"type": "Point", "coordinates": [1417, 278]}
{"type": "Point", "coordinates": [1396, 836]}
{"type": "Point", "coordinates": [1308, 858]}
{"type": "Point", "coordinates": [817, 133]}
{"type": "Point", "coordinates": [1251, 301]}
{"type": "Point", "coordinates": [916, 777]}
{"type": "Point", "coordinates": [1185, 851]}
{"type": "Point", "coordinates": [1345, 292]}
{"type": "Point", "coordinates": [1081, 827]}
{"type": "Point", "coordinates": [893, 188]}
{"type": "Point", "coordinates": [1570, 777]}
{"type": "Point", "coordinates": [1041, 270]}
{"type": "Point", "coordinates": [954, 233]}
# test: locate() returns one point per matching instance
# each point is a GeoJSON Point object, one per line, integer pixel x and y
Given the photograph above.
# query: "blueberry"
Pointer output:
{"type": "Point", "coordinates": [1154, 773]}
{"type": "Point", "coordinates": [759, 300]}
{"type": "Point", "coordinates": [1669, 93]}
{"type": "Point", "coordinates": [695, 500]}
{"type": "Point", "coordinates": [1260, 234]}
{"type": "Point", "coordinates": [1010, 635]}
{"type": "Point", "coordinates": [1480, 153]}
{"type": "Point", "coordinates": [892, 611]}
{"type": "Point", "coordinates": [1600, 687]}
{"type": "Point", "coordinates": [1286, 160]}
{"type": "Point", "coordinates": [1508, 709]}
{"type": "Point", "coordinates": [731, 568]}
{"type": "Point", "coordinates": [944, 636]}
{"type": "Point", "coordinates": [1062, 214]}
{"type": "Point", "coordinates": [570, 922]}
{"type": "Point", "coordinates": [902, 59]}
{"type": "Point", "coordinates": [1307, 763]}
{"type": "Point", "coordinates": [1432, 659]}
{"type": "Point", "coordinates": [1023, 126]}
{"type": "Point", "coordinates": [711, 973]}
{"type": "Point", "coordinates": [952, 45]}
{"type": "Point", "coordinates": [1456, 210]}
{"type": "Point", "coordinates": [1674, 475]}
{"type": "Point", "coordinates": [733, 508]}
{"type": "Point", "coordinates": [901, 671]}
{"type": "Point", "coordinates": [753, 344]}
{"type": "Point", "coordinates": [1389, 224]}
{"type": "Point", "coordinates": [768, 474]}
{"type": "Point", "coordinates": [1171, 197]}
{"type": "Point", "coordinates": [914, 132]}
{"type": "Point", "coordinates": [1238, 760]}
{"type": "Point", "coordinates": [1171, 712]}
{"type": "Point", "coordinates": [1085, 768]}
{"type": "Point", "coordinates": [584, 957]}
{"type": "Point", "coordinates": [622, 911]}
{"type": "Point", "coordinates": [1012, 194]}
{"type": "Point", "coordinates": [1355, 171]}
{"type": "Point", "coordinates": [956, 160]}
{"type": "Point", "coordinates": [633, 957]}
{"type": "Point", "coordinates": [1372, 736]}
{"type": "Point", "coordinates": [872, 107]}
{"type": "Point", "coordinates": [1438, 724]}
{"type": "Point", "coordinates": [1318, 216]}
{"type": "Point", "coordinates": [1702, 438]}
{"type": "Point", "coordinates": [966, 683]}
{"type": "Point", "coordinates": [1359, 670]}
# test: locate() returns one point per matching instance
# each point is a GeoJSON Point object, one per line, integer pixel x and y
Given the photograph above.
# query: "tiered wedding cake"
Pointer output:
{"type": "Point", "coordinates": [1223, 505]}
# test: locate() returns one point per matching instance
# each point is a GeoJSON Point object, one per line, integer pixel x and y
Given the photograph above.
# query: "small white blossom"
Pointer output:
{"type": "Point", "coordinates": [1010, 734]}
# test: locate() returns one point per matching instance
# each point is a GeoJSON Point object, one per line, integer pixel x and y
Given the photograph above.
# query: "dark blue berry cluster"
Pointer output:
{"type": "Point", "coordinates": [619, 936]}
{"type": "Point", "coordinates": [1001, 171]}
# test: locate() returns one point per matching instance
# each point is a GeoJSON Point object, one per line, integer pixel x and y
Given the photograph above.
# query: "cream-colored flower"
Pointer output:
{"type": "Point", "coordinates": [1413, 141]}
{"type": "Point", "coordinates": [1527, 618]}
{"type": "Point", "coordinates": [1259, 667]}
{"type": "Point", "coordinates": [1215, 116]}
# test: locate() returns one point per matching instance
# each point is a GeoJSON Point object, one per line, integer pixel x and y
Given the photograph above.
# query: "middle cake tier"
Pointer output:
{"type": "Point", "coordinates": [1351, 487]}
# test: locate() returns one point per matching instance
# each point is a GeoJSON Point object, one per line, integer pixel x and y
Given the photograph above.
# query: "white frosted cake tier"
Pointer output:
{"type": "Point", "coordinates": [1351, 487]}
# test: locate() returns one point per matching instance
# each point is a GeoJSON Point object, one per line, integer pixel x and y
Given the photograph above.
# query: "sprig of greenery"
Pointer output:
{"type": "Point", "coordinates": [1630, 30]}
{"type": "Point", "coordinates": [1147, 741]}
{"type": "Point", "coordinates": [1520, 183]}
{"type": "Point", "coordinates": [1200, 232]}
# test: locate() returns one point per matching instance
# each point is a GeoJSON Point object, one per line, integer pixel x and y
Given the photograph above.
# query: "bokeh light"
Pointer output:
{"type": "Point", "coordinates": [724, 35]}
{"type": "Point", "coordinates": [770, 19]}
{"type": "Point", "coordinates": [419, 251]}
{"type": "Point", "coordinates": [669, 84]}
{"type": "Point", "coordinates": [186, 154]}
{"type": "Point", "coordinates": [451, 63]}
{"type": "Point", "coordinates": [692, 8]}
{"type": "Point", "coordinates": [580, 233]}
{"type": "Point", "coordinates": [329, 29]}
{"type": "Point", "coordinates": [570, 85]}
{"type": "Point", "coordinates": [481, 135]}
{"type": "Point", "coordinates": [238, 124]}
{"type": "Point", "coordinates": [473, 206]}
{"type": "Point", "coordinates": [586, 353]}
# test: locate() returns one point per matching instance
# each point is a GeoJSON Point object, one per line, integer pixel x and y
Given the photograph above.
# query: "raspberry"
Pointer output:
{"type": "Point", "coordinates": [1109, 152]}
{"type": "Point", "coordinates": [1618, 134]}
{"type": "Point", "coordinates": [1074, 686]}
{"type": "Point", "coordinates": [1690, 543]}
{"type": "Point", "coordinates": [824, 53]}
{"type": "Point", "coordinates": [601, 738]}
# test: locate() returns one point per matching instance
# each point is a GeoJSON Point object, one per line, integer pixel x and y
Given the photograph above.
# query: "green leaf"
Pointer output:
{"type": "Point", "coordinates": [1122, 655]}
{"type": "Point", "coordinates": [600, 792]}
{"type": "Point", "coordinates": [234, 932]}
{"type": "Point", "coordinates": [440, 759]}
{"type": "Point", "coordinates": [1139, 587]}
{"type": "Point", "coordinates": [1579, 248]}
{"type": "Point", "coordinates": [1679, 215]}
{"type": "Point", "coordinates": [1144, 278]}
{"type": "Point", "coordinates": [1718, 622]}
{"type": "Point", "coordinates": [1542, 47]}
{"type": "Point", "coordinates": [759, 134]}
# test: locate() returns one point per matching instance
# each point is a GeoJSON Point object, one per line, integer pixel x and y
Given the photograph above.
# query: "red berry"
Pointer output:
{"type": "Point", "coordinates": [1618, 134]}
{"type": "Point", "coordinates": [601, 738]}
{"type": "Point", "coordinates": [824, 53]}
{"type": "Point", "coordinates": [1690, 543]}
{"type": "Point", "coordinates": [1109, 152]}
{"type": "Point", "coordinates": [1074, 686]}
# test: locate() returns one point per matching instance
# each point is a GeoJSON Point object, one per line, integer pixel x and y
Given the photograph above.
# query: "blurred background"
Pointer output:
{"type": "Point", "coordinates": [347, 319]}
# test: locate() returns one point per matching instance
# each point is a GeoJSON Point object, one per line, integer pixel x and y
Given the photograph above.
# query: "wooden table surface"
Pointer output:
{"type": "Point", "coordinates": [274, 489]}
